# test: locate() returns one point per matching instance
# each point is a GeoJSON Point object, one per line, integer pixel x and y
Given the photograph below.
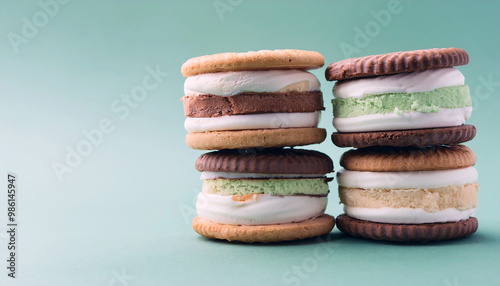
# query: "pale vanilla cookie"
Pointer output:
{"type": "Point", "coordinates": [264, 138]}
{"type": "Point", "coordinates": [264, 233]}
{"type": "Point", "coordinates": [260, 60]}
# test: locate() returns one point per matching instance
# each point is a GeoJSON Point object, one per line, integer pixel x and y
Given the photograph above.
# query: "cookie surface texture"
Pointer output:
{"type": "Point", "coordinates": [260, 60]}
{"type": "Point", "coordinates": [263, 138]}
{"type": "Point", "coordinates": [398, 62]}
{"type": "Point", "coordinates": [265, 233]}
{"type": "Point", "coordinates": [266, 161]}
{"type": "Point", "coordinates": [406, 138]}
{"type": "Point", "coordinates": [407, 232]}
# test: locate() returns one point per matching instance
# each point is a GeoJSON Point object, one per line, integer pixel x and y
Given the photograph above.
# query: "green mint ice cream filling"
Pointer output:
{"type": "Point", "coordinates": [400, 103]}
{"type": "Point", "coordinates": [275, 187]}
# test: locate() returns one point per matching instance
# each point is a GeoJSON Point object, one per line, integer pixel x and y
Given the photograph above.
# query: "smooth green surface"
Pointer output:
{"type": "Point", "coordinates": [400, 103]}
{"type": "Point", "coordinates": [124, 210]}
{"type": "Point", "coordinates": [277, 187]}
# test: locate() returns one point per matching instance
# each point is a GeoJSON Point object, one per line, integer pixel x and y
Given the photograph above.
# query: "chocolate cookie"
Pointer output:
{"type": "Point", "coordinates": [388, 159]}
{"type": "Point", "coordinates": [397, 62]}
{"type": "Point", "coordinates": [408, 232]}
{"type": "Point", "coordinates": [405, 138]}
{"type": "Point", "coordinates": [270, 161]}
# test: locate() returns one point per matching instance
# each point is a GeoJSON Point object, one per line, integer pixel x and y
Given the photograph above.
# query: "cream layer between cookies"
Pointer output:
{"type": "Point", "coordinates": [408, 215]}
{"type": "Point", "coordinates": [406, 180]}
{"type": "Point", "coordinates": [232, 83]}
{"type": "Point", "coordinates": [445, 117]}
{"type": "Point", "coordinates": [412, 82]}
{"type": "Point", "coordinates": [253, 121]}
{"type": "Point", "coordinates": [259, 209]}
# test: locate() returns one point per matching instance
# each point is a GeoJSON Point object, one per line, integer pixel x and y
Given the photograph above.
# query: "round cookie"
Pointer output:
{"type": "Point", "coordinates": [265, 233]}
{"type": "Point", "coordinates": [406, 233]}
{"type": "Point", "coordinates": [387, 159]}
{"type": "Point", "coordinates": [250, 103]}
{"type": "Point", "coordinates": [406, 138]}
{"type": "Point", "coordinates": [260, 60]}
{"type": "Point", "coordinates": [262, 138]}
{"type": "Point", "coordinates": [267, 161]}
{"type": "Point", "coordinates": [398, 62]}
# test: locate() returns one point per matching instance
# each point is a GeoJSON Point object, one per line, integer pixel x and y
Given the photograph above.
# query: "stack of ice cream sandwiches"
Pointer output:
{"type": "Point", "coordinates": [252, 107]}
{"type": "Point", "coordinates": [409, 178]}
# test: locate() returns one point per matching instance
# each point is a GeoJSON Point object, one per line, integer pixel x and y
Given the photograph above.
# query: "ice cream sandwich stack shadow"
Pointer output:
{"type": "Point", "coordinates": [252, 107]}
{"type": "Point", "coordinates": [409, 180]}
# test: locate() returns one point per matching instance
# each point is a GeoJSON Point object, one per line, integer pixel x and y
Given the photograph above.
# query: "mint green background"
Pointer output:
{"type": "Point", "coordinates": [127, 207]}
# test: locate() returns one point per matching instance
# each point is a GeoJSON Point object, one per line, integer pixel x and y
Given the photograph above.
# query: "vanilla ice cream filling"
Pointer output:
{"type": "Point", "coordinates": [408, 215]}
{"type": "Point", "coordinates": [235, 82]}
{"type": "Point", "coordinates": [407, 180]}
{"type": "Point", "coordinates": [259, 209]}
{"type": "Point", "coordinates": [445, 117]}
{"type": "Point", "coordinates": [253, 121]}
{"type": "Point", "coordinates": [420, 81]}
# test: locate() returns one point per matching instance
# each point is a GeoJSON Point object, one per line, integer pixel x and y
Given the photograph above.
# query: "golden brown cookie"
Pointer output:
{"type": "Point", "coordinates": [406, 232]}
{"type": "Point", "coordinates": [397, 62]}
{"type": "Point", "coordinates": [258, 138]}
{"type": "Point", "coordinates": [390, 159]}
{"type": "Point", "coordinates": [260, 60]}
{"type": "Point", "coordinates": [265, 233]}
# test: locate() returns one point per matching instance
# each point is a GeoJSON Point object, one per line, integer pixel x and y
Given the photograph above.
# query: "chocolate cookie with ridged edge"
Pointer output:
{"type": "Point", "coordinates": [406, 232]}
{"type": "Point", "coordinates": [389, 159]}
{"type": "Point", "coordinates": [251, 103]}
{"type": "Point", "coordinates": [265, 233]}
{"type": "Point", "coordinates": [405, 138]}
{"type": "Point", "coordinates": [267, 161]}
{"type": "Point", "coordinates": [397, 62]}
{"type": "Point", "coordinates": [260, 60]}
{"type": "Point", "coordinates": [257, 138]}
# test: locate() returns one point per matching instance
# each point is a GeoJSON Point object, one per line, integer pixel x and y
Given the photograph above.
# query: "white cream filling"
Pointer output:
{"type": "Point", "coordinates": [408, 215]}
{"type": "Point", "coordinates": [231, 83]}
{"type": "Point", "coordinates": [260, 209]}
{"type": "Point", "coordinates": [407, 180]}
{"type": "Point", "coordinates": [207, 175]}
{"type": "Point", "coordinates": [411, 120]}
{"type": "Point", "coordinates": [253, 121]}
{"type": "Point", "coordinates": [420, 81]}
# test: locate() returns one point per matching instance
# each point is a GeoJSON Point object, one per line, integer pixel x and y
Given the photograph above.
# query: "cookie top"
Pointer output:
{"type": "Point", "coordinates": [389, 159]}
{"type": "Point", "coordinates": [397, 62]}
{"type": "Point", "coordinates": [267, 161]}
{"type": "Point", "coordinates": [405, 138]}
{"type": "Point", "coordinates": [260, 60]}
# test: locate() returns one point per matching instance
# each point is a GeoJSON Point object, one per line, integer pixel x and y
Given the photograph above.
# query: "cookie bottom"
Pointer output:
{"type": "Point", "coordinates": [259, 138]}
{"type": "Point", "coordinates": [405, 138]}
{"type": "Point", "coordinates": [406, 232]}
{"type": "Point", "coordinates": [265, 233]}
